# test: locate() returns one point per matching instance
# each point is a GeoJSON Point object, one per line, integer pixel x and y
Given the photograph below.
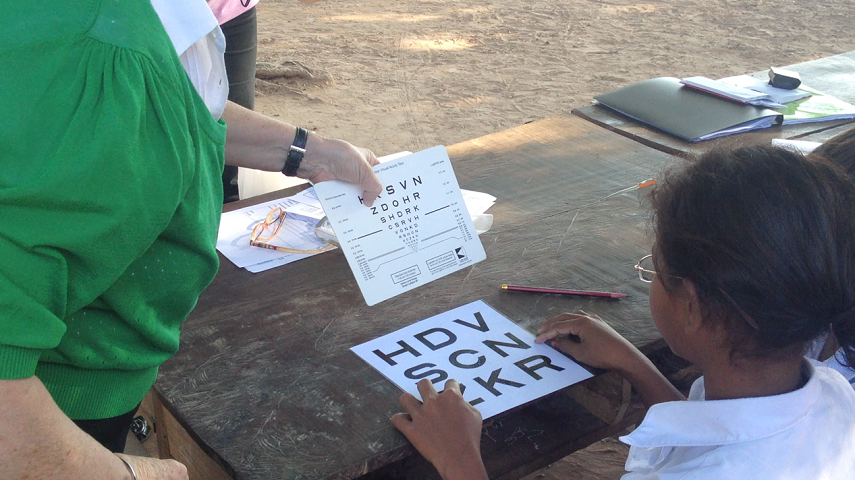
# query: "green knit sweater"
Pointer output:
{"type": "Point", "coordinates": [110, 197]}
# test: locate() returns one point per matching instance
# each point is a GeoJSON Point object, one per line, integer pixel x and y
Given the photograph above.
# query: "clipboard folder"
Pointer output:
{"type": "Point", "coordinates": [668, 105]}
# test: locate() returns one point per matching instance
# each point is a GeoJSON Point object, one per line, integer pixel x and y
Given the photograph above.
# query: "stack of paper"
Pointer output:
{"type": "Point", "coordinates": [298, 231]}
{"type": "Point", "coordinates": [803, 104]}
{"type": "Point", "coordinates": [732, 92]}
{"type": "Point", "coordinates": [304, 212]}
{"type": "Point", "coordinates": [762, 87]}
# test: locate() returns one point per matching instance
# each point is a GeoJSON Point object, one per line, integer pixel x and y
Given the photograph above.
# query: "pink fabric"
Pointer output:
{"type": "Point", "coordinates": [226, 10]}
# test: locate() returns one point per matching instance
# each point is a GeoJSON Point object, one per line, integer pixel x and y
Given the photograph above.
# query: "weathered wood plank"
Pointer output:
{"type": "Point", "coordinates": [265, 378]}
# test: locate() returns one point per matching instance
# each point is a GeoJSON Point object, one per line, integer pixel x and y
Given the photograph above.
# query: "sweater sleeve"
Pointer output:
{"type": "Point", "coordinates": [94, 162]}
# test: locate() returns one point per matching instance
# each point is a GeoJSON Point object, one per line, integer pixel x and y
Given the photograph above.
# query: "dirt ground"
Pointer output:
{"type": "Point", "coordinates": [410, 74]}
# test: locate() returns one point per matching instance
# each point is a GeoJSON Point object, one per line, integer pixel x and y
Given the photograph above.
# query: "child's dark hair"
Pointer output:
{"type": "Point", "coordinates": [767, 237]}
{"type": "Point", "coordinates": [840, 150]}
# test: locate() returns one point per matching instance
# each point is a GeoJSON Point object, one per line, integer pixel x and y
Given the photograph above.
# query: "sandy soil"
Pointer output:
{"type": "Point", "coordinates": [409, 74]}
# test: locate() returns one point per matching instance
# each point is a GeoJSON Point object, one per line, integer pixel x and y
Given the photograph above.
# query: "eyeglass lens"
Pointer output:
{"type": "Point", "coordinates": [270, 227]}
{"type": "Point", "coordinates": [646, 272]}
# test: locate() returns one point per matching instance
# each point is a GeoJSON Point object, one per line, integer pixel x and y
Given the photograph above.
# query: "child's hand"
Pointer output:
{"type": "Point", "coordinates": [445, 429]}
{"type": "Point", "coordinates": [592, 341]}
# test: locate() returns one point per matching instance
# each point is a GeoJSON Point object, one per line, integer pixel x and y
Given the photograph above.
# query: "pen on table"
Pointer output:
{"type": "Point", "coordinates": [517, 288]}
{"type": "Point", "coordinates": [643, 184]}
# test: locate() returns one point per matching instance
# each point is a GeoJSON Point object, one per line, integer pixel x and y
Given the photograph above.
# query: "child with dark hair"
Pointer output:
{"type": "Point", "coordinates": [839, 150]}
{"type": "Point", "coordinates": [754, 258]}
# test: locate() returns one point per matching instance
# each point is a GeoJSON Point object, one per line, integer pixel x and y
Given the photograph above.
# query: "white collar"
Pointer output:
{"type": "Point", "coordinates": [185, 21]}
{"type": "Point", "coordinates": [724, 422]}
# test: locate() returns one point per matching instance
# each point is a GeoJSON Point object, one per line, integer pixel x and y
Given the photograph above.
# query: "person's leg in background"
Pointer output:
{"type": "Point", "coordinates": [241, 35]}
{"type": "Point", "coordinates": [109, 432]}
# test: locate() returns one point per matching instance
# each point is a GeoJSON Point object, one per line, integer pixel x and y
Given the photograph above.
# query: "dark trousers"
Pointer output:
{"type": "Point", "coordinates": [241, 35]}
{"type": "Point", "coordinates": [110, 432]}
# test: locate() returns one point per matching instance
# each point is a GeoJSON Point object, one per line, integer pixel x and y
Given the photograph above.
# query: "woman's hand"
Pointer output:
{"type": "Point", "coordinates": [155, 469]}
{"type": "Point", "coordinates": [256, 141]}
{"type": "Point", "coordinates": [445, 429]}
{"type": "Point", "coordinates": [330, 159]}
{"type": "Point", "coordinates": [588, 339]}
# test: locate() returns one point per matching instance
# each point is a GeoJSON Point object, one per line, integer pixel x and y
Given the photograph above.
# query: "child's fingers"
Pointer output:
{"type": "Point", "coordinates": [564, 317]}
{"type": "Point", "coordinates": [452, 385]}
{"type": "Point", "coordinates": [426, 389]}
{"type": "Point", "coordinates": [552, 322]}
{"type": "Point", "coordinates": [409, 402]}
{"type": "Point", "coordinates": [569, 326]}
{"type": "Point", "coordinates": [402, 421]}
{"type": "Point", "coordinates": [566, 345]}
{"type": "Point", "coordinates": [552, 333]}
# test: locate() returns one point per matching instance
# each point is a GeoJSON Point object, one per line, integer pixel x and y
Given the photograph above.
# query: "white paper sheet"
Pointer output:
{"type": "Point", "coordinates": [418, 230]}
{"type": "Point", "coordinates": [801, 146]}
{"type": "Point", "coordinates": [236, 228]}
{"type": "Point", "coordinates": [476, 202]}
{"type": "Point", "coordinates": [496, 362]}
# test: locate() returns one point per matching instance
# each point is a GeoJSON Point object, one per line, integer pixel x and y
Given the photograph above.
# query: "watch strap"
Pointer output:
{"type": "Point", "coordinates": [295, 152]}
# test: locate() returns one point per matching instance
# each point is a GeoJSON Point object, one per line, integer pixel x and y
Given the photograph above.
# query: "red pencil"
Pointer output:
{"type": "Point", "coordinates": [516, 288]}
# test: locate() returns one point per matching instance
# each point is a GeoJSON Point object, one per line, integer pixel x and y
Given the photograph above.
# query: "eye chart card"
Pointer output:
{"type": "Point", "coordinates": [496, 362]}
{"type": "Point", "coordinates": [417, 230]}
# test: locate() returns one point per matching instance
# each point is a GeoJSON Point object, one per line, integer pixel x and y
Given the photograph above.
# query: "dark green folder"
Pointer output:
{"type": "Point", "coordinates": [670, 106]}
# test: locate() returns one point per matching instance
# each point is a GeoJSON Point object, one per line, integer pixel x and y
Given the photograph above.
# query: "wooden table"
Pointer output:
{"type": "Point", "coordinates": [264, 380]}
{"type": "Point", "coordinates": [833, 75]}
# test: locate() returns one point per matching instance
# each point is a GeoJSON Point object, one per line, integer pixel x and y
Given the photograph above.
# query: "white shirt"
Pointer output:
{"type": "Point", "coordinates": [200, 45]}
{"type": "Point", "coordinates": [835, 361]}
{"type": "Point", "coordinates": [801, 435]}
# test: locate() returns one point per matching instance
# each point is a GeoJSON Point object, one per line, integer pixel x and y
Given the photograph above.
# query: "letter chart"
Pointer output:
{"type": "Point", "coordinates": [496, 362]}
{"type": "Point", "coordinates": [416, 231]}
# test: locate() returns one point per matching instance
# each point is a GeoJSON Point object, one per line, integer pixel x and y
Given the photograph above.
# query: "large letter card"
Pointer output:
{"type": "Point", "coordinates": [418, 229]}
{"type": "Point", "coordinates": [496, 362]}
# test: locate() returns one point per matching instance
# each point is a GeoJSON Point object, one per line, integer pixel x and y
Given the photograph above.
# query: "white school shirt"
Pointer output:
{"type": "Point", "coordinates": [801, 435]}
{"type": "Point", "coordinates": [200, 45]}
{"type": "Point", "coordinates": [835, 361]}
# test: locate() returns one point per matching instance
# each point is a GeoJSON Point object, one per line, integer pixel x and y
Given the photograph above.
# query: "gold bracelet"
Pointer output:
{"type": "Point", "coordinates": [130, 468]}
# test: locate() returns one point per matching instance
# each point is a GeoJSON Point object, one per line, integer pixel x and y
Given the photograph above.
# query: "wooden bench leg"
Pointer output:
{"type": "Point", "coordinates": [173, 441]}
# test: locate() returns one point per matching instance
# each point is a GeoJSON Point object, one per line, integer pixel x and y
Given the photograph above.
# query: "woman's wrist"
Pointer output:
{"type": "Point", "coordinates": [295, 153]}
{"type": "Point", "coordinates": [128, 466]}
{"type": "Point", "coordinates": [316, 146]}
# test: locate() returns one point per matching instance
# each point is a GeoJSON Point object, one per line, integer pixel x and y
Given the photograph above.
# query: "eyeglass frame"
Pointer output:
{"type": "Point", "coordinates": [641, 271]}
{"type": "Point", "coordinates": [274, 217]}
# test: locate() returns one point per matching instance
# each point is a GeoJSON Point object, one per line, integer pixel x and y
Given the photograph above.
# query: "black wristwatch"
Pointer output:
{"type": "Point", "coordinates": [295, 153]}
